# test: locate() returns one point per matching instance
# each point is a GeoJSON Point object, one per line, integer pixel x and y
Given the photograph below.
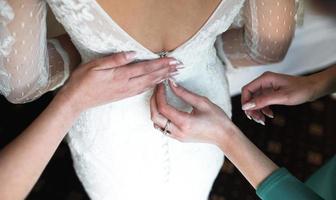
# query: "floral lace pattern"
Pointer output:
{"type": "Point", "coordinates": [6, 42]}
{"type": "Point", "coordinates": [106, 151]}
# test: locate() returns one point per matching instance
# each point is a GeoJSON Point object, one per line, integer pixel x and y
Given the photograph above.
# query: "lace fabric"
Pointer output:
{"type": "Point", "coordinates": [6, 42]}
{"type": "Point", "coordinates": [259, 41]}
{"type": "Point", "coordinates": [262, 32]}
{"type": "Point", "coordinates": [30, 66]}
{"type": "Point", "coordinates": [105, 151]}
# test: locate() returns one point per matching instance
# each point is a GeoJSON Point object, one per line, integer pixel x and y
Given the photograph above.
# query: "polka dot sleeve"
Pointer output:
{"type": "Point", "coordinates": [29, 64]}
{"type": "Point", "coordinates": [265, 36]}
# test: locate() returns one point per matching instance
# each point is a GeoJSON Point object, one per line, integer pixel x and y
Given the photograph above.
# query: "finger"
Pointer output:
{"type": "Point", "coordinates": [159, 121]}
{"type": "Point", "coordinates": [142, 83]}
{"type": "Point", "coordinates": [263, 81]}
{"type": "Point", "coordinates": [268, 112]}
{"type": "Point", "coordinates": [266, 99]}
{"type": "Point", "coordinates": [146, 67]}
{"type": "Point", "coordinates": [257, 116]}
{"type": "Point", "coordinates": [247, 115]}
{"type": "Point", "coordinates": [172, 130]}
{"type": "Point", "coordinates": [156, 126]}
{"type": "Point", "coordinates": [198, 102]}
{"type": "Point", "coordinates": [168, 111]}
{"type": "Point", "coordinates": [115, 60]}
{"type": "Point", "coordinates": [155, 115]}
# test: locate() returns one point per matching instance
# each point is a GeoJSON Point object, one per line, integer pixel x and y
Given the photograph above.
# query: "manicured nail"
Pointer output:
{"type": "Point", "coordinates": [130, 55]}
{"type": "Point", "coordinates": [178, 67]}
{"type": "Point", "coordinates": [248, 116]}
{"type": "Point", "coordinates": [160, 81]}
{"type": "Point", "coordinates": [269, 115]}
{"type": "Point", "coordinates": [260, 122]}
{"type": "Point", "coordinates": [174, 73]}
{"type": "Point", "coordinates": [248, 106]}
{"type": "Point", "coordinates": [175, 62]}
{"type": "Point", "coordinates": [173, 82]}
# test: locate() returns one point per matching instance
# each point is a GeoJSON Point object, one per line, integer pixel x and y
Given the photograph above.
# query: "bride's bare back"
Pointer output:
{"type": "Point", "coordinates": [160, 25]}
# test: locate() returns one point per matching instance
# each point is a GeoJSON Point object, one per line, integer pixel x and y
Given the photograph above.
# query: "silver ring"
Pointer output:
{"type": "Point", "coordinates": [165, 130]}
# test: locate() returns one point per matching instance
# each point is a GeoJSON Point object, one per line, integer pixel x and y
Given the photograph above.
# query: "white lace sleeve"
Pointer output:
{"type": "Point", "coordinates": [29, 64]}
{"type": "Point", "coordinates": [265, 36]}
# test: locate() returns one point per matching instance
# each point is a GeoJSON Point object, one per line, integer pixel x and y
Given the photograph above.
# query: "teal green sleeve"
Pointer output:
{"type": "Point", "coordinates": [282, 185]}
{"type": "Point", "coordinates": [323, 182]}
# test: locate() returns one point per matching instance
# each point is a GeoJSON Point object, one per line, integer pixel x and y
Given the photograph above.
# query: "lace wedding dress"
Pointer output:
{"type": "Point", "coordinates": [116, 151]}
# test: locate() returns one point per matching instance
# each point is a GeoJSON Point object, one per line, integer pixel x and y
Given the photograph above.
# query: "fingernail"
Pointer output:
{"type": "Point", "coordinates": [174, 62]}
{"type": "Point", "coordinates": [248, 116]}
{"type": "Point", "coordinates": [160, 81]}
{"type": "Point", "coordinates": [269, 115]}
{"type": "Point", "coordinates": [173, 82]}
{"type": "Point", "coordinates": [260, 122]}
{"type": "Point", "coordinates": [248, 106]}
{"type": "Point", "coordinates": [130, 55]}
{"type": "Point", "coordinates": [178, 67]}
{"type": "Point", "coordinates": [174, 73]}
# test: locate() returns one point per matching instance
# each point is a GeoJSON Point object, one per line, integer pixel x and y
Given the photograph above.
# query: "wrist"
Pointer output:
{"type": "Point", "coordinates": [320, 83]}
{"type": "Point", "coordinates": [314, 87]}
{"type": "Point", "coordinates": [69, 102]}
{"type": "Point", "coordinates": [227, 137]}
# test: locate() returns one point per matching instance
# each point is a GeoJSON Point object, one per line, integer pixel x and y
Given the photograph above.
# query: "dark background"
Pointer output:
{"type": "Point", "coordinates": [300, 138]}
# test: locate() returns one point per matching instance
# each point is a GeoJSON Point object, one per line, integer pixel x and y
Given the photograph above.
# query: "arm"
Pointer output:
{"type": "Point", "coordinates": [101, 81]}
{"type": "Point", "coordinates": [269, 181]}
{"type": "Point", "coordinates": [324, 82]}
{"type": "Point", "coordinates": [281, 89]}
{"type": "Point", "coordinates": [30, 65]}
{"type": "Point", "coordinates": [207, 123]}
{"type": "Point", "coordinates": [265, 36]}
{"type": "Point", "coordinates": [24, 159]}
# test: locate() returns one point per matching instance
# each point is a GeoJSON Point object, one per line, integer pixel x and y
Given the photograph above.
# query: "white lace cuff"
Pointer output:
{"type": "Point", "coordinates": [66, 60]}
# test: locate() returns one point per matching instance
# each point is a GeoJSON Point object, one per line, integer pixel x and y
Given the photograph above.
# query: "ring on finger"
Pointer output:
{"type": "Point", "coordinates": [165, 130]}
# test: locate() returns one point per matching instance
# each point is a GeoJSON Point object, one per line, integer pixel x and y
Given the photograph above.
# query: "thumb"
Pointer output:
{"type": "Point", "coordinates": [266, 99]}
{"type": "Point", "coordinates": [194, 100]}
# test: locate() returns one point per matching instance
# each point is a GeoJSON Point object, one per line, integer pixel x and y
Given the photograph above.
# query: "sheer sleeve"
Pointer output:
{"type": "Point", "coordinates": [29, 64]}
{"type": "Point", "coordinates": [261, 34]}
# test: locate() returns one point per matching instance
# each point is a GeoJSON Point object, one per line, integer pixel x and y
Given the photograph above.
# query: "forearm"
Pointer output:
{"type": "Point", "coordinates": [23, 160]}
{"type": "Point", "coordinates": [265, 36]}
{"type": "Point", "coordinates": [31, 65]}
{"type": "Point", "coordinates": [250, 161]}
{"type": "Point", "coordinates": [236, 50]}
{"type": "Point", "coordinates": [324, 82]}
{"type": "Point", "coordinates": [47, 72]}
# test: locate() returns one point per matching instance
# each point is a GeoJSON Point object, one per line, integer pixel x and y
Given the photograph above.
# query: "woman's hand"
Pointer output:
{"type": "Point", "coordinates": [276, 89]}
{"type": "Point", "coordinates": [113, 78]}
{"type": "Point", "coordinates": [207, 123]}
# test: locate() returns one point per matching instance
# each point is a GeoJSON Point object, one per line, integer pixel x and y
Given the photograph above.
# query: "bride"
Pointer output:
{"type": "Point", "coordinates": [116, 151]}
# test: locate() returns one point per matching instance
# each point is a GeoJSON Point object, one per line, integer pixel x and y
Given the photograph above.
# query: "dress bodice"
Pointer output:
{"type": "Point", "coordinates": [31, 65]}
{"type": "Point", "coordinates": [124, 133]}
{"type": "Point", "coordinates": [93, 30]}
{"type": "Point", "coordinates": [116, 151]}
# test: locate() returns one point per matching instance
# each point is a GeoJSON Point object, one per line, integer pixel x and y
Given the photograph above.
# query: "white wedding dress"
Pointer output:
{"type": "Point", "coordinates": [116, 151]}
